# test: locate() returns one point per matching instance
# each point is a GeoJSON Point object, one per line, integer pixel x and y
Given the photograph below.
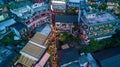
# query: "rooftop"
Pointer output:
{"type": "Point", "coordinates": [38, 38]}
{"type": "Point", "coordinates": [7, 23]}
{"type": "Point", "coordinates": [33, 50]}
{"type": "Point", "coordinates": [108, 57]}
{"type": "Point", "coordinates": [40, 6]}
{"type": "Point", "coordinates": [66, 18]}
{"type": "Point", "coordinates": [44, 29]}
{"type": "Point", "coordinates": [44, 59]}
{"type": "Point", "coordinates": [19, 26]}
{"type": "Point", "coordinates": [100, 17]}
{"type": "Point", "coordinates": [74, 1]}
{"type": "Point", "coordinates": [67, 55]}
{"type": "Point", "coordinates": [27, 11]}
{"type": "Point", "coordinates": [83, 59]}
{"type": "Point", "coordinates": [25, 61]}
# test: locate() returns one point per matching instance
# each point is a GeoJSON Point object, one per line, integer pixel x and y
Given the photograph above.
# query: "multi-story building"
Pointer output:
{"type": "Point", "coordinates": [65, 23]}
{"type": "Point", "coordinates": [111, 3]}
{"type": "Point", "coordinates": [98, 25]}
{"type": "Point", "coordinates": [33, 15]}
{"type": "Point", "coordinates": [59, 5]}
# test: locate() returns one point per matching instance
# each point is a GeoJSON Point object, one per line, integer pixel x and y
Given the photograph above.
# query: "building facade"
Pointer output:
{"type": "Point", "coordinates": [98, 25]}
{"type": "Point", "coordinates": [33, 15]}
{"type": "Point", "coordinates": [65, 23]}
{"type": "Point", "coordinates": [73, 3]}
{"type": "Point", "coordinates": [111, 4]}
{"type": "Point", "coordinates": [59, 5]}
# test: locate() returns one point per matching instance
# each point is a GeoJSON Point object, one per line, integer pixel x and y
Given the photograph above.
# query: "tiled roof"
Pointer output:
{"type": "Point", "coordinates": [33, 50]}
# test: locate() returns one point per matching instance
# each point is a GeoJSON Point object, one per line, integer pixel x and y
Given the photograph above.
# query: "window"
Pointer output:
{"type": "Point", "coordinates": [42, 14]}
{"type": "Point", "coordinates": [57, 24]}
{"type": "Point", "coordinates": [28, 22]}
{"type": "Point", "coordinates": [36, 17]}
{"type": "Point", "coordinates": [63, 24]}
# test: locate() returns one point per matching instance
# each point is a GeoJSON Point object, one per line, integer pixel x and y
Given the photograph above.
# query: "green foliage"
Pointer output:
{"type": "Point", "coordinates": [8, 39]}
{"type": "Point", "coordinates": [94, 6]}
{"type": "Point", "coordinates": [71, 12]}
{"type": "Point", "coordinates": [103, 44]}
{"type": "Point", "coordinates": [12, 6]}
{"type": "Point", "coordinates": [50, 59]}
{"type": "Point", "coordinates": [103, 6]}
{"type": "Point", "coordinates": [65, 37]}
{"type": "Point", "coordinates": [3, 6]}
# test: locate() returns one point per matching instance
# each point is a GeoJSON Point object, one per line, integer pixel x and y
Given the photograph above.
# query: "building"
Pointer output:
{"type": "Point", "coordinates": [67, 57]}
{"type": "Point", "coordinates": [59, 5]}
{"type": "Point", "coordinates": [5, 27]}
{"type": "Point", "coordinates": [33, 15]}
{"type": "Point", "coordinates": [111, 4]}
{"type": "Point", "coordinates": [98, 25]}
{"type": "Point", "coordinates": [34, 50]}
{"type": "Point", "coordinates": [43, 60]}
{"type": "Point", "coordinates": [37, 1]}
{"type": "Point", "coordinates": [3, 16]}
{"type": "Point", "coordinates": [108, 57]}
{"type": "Point", "coordinates": [4, 1]}
{"type": "Point", "coordinates": [19, 29]}
{"type": "Point", "coordinates": [73, 3]}
{"type": "Point", "coordinates": [95, 2]}
{"type": "Point", "coordinates": [65, 23]}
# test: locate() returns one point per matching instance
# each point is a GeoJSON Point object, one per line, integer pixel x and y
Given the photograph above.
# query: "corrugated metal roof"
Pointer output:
{"type": "Point", "coordinates": [26, 61]}
{"type": "Point", "coordinates": [43, 29]}
{"type": "Point", "coordinates": [39, 38]}
{"type": "Point", "coordinates": [46, 30]}
{"type": "Point", "coordinates": [33, 50]}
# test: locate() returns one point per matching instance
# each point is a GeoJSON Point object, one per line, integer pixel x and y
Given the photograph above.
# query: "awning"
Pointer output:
{"type": "Point", "coordinates": [43, 60]}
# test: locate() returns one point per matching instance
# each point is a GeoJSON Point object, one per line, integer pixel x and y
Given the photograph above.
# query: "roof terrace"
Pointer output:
{"type": "Point", "coordinates": [98, 18]}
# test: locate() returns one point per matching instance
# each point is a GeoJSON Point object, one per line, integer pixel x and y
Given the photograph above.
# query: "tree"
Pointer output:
{"type": "Point", "coordinates": [103, 6]}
